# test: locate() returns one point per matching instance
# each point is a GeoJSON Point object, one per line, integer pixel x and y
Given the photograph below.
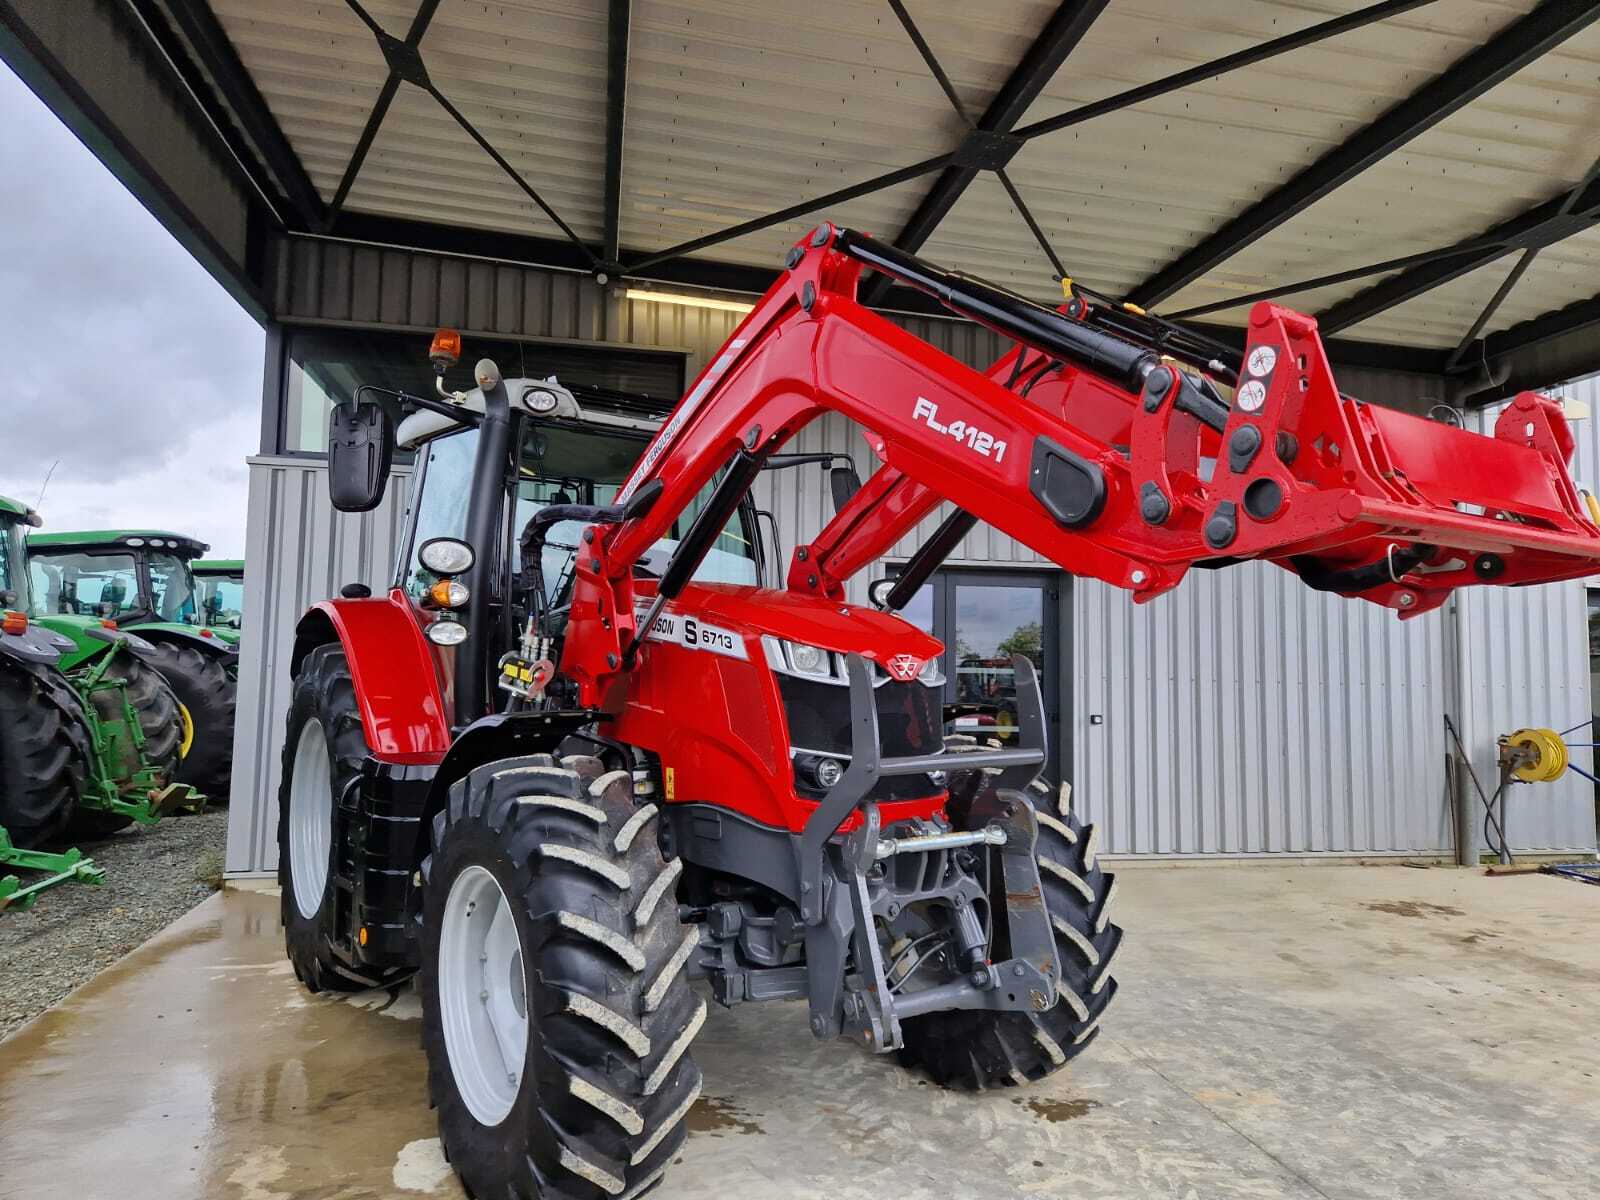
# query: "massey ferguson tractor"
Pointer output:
{"type": "Point", "coordinates": [579, 756]}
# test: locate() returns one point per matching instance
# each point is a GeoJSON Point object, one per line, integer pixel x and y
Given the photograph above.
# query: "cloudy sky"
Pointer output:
{"type": "Point", "coordinates": [131, 369]}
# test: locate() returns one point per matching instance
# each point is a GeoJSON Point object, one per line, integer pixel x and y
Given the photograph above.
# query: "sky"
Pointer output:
{"type": "Point", "coordinates": [131, 369]}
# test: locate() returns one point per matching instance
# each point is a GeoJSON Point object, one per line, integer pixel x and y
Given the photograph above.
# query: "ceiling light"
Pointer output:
{"type": "Point", "coordinates": [688, 301]}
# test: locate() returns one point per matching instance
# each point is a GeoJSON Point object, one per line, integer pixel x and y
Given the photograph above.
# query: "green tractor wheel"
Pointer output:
{"type": "Point", "coordinates": [161, 721]}
{"type": "Point", "coordinates": [206, 692]}
{"type": "Point", "coordinates": [45, 750]}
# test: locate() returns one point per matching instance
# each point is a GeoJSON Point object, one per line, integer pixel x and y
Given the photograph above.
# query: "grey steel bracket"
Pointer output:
{"type": "Point", "coordinates": [839, 904]}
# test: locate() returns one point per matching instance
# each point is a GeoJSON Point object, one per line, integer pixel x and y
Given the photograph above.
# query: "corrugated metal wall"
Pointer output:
{"type": "Point", "coordinates": [299, 550]}
{"type": "Point", "coordinates": [1241, 715]}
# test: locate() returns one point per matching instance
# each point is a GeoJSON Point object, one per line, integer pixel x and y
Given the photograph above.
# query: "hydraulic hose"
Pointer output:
{"type": "Point", "coordinates": [1007, 313]}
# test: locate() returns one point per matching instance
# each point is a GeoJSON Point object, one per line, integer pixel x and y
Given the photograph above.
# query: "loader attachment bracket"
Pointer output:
{"type": "Point", "coordinates": [849, 886]}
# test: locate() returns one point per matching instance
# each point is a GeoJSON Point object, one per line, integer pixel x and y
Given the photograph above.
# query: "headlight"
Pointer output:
{"type": "Point", "coordinates": [447, 633]}
{"type": "Point", "coordinates": [539, 400]}
{"type": "Point", "coordinates": [446, 556]}
{"type": "Point", "coordinates": [809, 660]}
{"type": "Point", "coordinates": [931, 673]}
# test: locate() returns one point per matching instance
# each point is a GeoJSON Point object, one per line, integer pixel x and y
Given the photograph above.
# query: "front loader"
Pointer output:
{"type": "Point", "coordinates": [141, 579]}
{"type": "Point", "coordinates": [582, 752]}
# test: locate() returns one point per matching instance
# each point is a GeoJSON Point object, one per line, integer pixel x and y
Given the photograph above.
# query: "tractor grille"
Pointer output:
{"type": "Point", "coordinates": [910, 719]}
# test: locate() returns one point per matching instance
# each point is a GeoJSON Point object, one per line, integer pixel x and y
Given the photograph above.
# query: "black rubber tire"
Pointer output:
{"type": "Point", "coordinates": [44, 752]}
{"type": "Point", "coordinates": [608, 1078]}
{"type": "Point", "coordinates": [156, 707]}
{"type": "Point", "coordinates": [322, 690]}
{"type": "Point", "coordinates": [977, 1049]}
{"type": "Point", "coordinates": [203, 687]}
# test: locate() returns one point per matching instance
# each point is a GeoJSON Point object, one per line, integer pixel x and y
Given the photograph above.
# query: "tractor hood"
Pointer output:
{"type": "Point", "coordinates": [845, 628]}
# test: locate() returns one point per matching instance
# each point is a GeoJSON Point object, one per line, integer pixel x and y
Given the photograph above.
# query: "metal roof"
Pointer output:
{"type": "Point", "coordinates": [1227, 147]}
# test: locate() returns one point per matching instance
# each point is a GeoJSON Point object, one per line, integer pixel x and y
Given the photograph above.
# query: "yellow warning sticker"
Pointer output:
{"type": "Point", "coordinates": [672, 784]}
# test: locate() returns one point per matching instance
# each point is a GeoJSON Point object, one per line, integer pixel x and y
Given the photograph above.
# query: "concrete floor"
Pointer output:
{"type": "Point", "coordinates": [1282, 1032]}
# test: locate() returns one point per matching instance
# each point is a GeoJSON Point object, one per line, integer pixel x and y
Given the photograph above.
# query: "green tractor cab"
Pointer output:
{"type": "Point", "coordinates": [142, 579]}
{"type": "Point", "coordinates": [221, 586]}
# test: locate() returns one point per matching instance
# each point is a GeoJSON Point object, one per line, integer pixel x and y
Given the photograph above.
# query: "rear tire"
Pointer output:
{"type": "Point", "coordinates": [44, 752]}
{"type": "Point", "coordinates": [323, 749]}
{"type": "Point", "coordinates": [585, 1095]}
{"type": "Point", "coordinates": [201, 684]}
{"type": "Point", "coordinates": [156, 708]}
{"type": "Point", "coordinates": [975, 1049]}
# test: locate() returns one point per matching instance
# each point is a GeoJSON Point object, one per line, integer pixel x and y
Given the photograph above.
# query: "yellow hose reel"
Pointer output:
{"type": "Point", "coordinates": [1538, 755]}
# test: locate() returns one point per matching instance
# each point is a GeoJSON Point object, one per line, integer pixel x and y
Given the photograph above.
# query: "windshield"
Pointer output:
{"type": "Point", "coordinates": [561, 464]}
{"type": "Point", "coordinates": [172, 589]}
{"type": "Point", "coordinates": [92, 585]}
{"type": "Point", "coordinates": [13, 560]}
{"type": "Point", "coordinates": [221, 599]}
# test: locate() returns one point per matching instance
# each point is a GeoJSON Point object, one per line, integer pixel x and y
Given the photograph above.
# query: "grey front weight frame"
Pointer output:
{"type": "Point", "coordinates": [845, 888]}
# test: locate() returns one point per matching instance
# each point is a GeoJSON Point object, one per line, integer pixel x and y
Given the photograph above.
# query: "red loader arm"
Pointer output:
{"type": "Point", "coordinates": [1100, 454]}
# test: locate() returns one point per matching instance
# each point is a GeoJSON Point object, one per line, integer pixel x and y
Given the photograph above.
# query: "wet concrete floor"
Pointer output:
{"type": "Point", "coordinates": [1323, 1032]}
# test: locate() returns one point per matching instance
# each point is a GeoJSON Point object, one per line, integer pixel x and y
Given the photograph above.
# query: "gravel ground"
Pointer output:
{"type": "Point", "coordinates": [154, 875]}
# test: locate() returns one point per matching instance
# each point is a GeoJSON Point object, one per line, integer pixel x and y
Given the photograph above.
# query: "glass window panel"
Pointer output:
{"type": "Point", "coordinates": [991, 624]}
{"type": "Point", "coordinates": [93, 585]}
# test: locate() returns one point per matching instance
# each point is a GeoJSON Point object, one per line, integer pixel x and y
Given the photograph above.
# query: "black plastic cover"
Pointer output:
{"type": "Point", "coordinates": [1071, 488]}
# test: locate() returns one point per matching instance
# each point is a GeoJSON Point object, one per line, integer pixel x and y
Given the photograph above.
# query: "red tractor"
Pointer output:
{"type": "Point", "coordinates": [579, 757]}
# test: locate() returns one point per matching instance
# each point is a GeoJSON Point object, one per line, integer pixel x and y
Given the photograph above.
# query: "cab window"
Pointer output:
{"type": "Point", "coordinates": [444, 490]}
{"type": "Point", "coordinates": [95, 585]}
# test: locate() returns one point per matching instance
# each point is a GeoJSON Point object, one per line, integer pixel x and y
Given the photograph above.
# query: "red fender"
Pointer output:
{"type": "Point", "coordinates": [403, 707]}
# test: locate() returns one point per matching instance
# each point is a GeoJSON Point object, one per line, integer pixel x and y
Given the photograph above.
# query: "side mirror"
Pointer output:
{"type": "Point", "coordinates": [360, 453]}
{"type": "Point", "coordinates": [845, 483]}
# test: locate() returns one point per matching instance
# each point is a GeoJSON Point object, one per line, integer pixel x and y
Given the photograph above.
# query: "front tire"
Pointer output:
{"type": "Point", "coordinates": [323, 749]}
{"type": "Point", "coordinates": [975, 1049]}
{"type": "Point", "coordinates": [44, 752]}
{"type": "Point", "coordinates": [202, 686]}
{"type": "Point", "coordinates": [557, 1026]}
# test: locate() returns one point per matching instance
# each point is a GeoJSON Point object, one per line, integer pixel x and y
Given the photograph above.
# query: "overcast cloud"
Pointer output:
{"type": "Point", "coordinates": [127, 361]}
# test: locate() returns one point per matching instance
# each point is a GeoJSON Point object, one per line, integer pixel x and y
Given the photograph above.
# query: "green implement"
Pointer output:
{"type": "Point", "coordinates": [67, 866]}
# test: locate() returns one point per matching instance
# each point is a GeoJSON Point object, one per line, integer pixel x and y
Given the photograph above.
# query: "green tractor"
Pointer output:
{"type": "Point", "coordinates": [141, 578]}
{"type": "Point", "coordinates": [221, 586]}
{"type": "Point", "coordinates": [89, 738]}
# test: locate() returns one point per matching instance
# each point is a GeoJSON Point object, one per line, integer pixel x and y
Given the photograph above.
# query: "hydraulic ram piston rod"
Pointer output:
{"type": "Point", "coordinates": [990, 835]}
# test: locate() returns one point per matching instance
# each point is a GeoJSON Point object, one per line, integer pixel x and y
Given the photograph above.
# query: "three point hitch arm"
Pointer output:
{"type": "Point", "coordinates": [1112, 443]}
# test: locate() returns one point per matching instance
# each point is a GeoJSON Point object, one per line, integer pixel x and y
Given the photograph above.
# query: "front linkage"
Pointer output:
{"type": "Point", "coordinates": [122, 780]}
{"type": "Point", "coordinates": [850, 888]}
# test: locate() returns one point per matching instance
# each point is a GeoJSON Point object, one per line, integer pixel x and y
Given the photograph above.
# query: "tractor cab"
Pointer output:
{"type": "Point", "coordinates": [130, 576]}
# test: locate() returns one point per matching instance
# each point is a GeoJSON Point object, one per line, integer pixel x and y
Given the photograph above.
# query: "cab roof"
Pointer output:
{"type": "Point", "coordinates": [16, 508]}
{"type": "Point", "coordinates": [119, 539]}
{"type": "Point", "coordinates": [217, 566]}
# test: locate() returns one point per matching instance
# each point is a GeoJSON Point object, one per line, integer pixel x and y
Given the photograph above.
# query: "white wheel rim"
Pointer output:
{"type": "Point", "coordinates": [310, 818]}
{"type": "Point", "coordinates": [483, 992]}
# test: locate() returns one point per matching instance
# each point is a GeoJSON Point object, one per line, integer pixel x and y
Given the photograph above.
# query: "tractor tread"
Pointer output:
{"type": "Point", "coordinates": [45, 752]}
{"type": "Point", "coordinates": [610, 1075]}
{"type": "Point", "coordinates": [977, 1049]}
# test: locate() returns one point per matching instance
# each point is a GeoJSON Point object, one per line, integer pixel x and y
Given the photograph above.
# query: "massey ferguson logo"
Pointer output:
{"type": "Point", "coordinates": [904, 667]}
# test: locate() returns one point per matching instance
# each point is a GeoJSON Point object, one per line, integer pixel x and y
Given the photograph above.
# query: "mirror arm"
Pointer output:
{"type": "Point", "coordinates": [443, 407]}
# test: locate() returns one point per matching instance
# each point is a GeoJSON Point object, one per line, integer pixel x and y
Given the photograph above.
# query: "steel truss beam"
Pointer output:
{"type": "Point", "coordinates": [1099, 108]}
{"type": "Point", "coordinates": [1504, 54]}
{"type": "Point", "coordinates": [228, 79]}
{"type": "Point", "coordinates": [617, 23]}
{"type": "Point", "coordinates": [989, 142]}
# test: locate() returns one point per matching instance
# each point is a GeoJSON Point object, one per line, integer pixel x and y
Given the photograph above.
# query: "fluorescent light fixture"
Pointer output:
{"type": "Point", "coordinates": [688, 301]}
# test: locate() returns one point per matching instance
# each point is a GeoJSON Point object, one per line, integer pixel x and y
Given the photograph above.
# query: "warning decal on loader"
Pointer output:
{"type": "Point", "coordinates": [692, 633]}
